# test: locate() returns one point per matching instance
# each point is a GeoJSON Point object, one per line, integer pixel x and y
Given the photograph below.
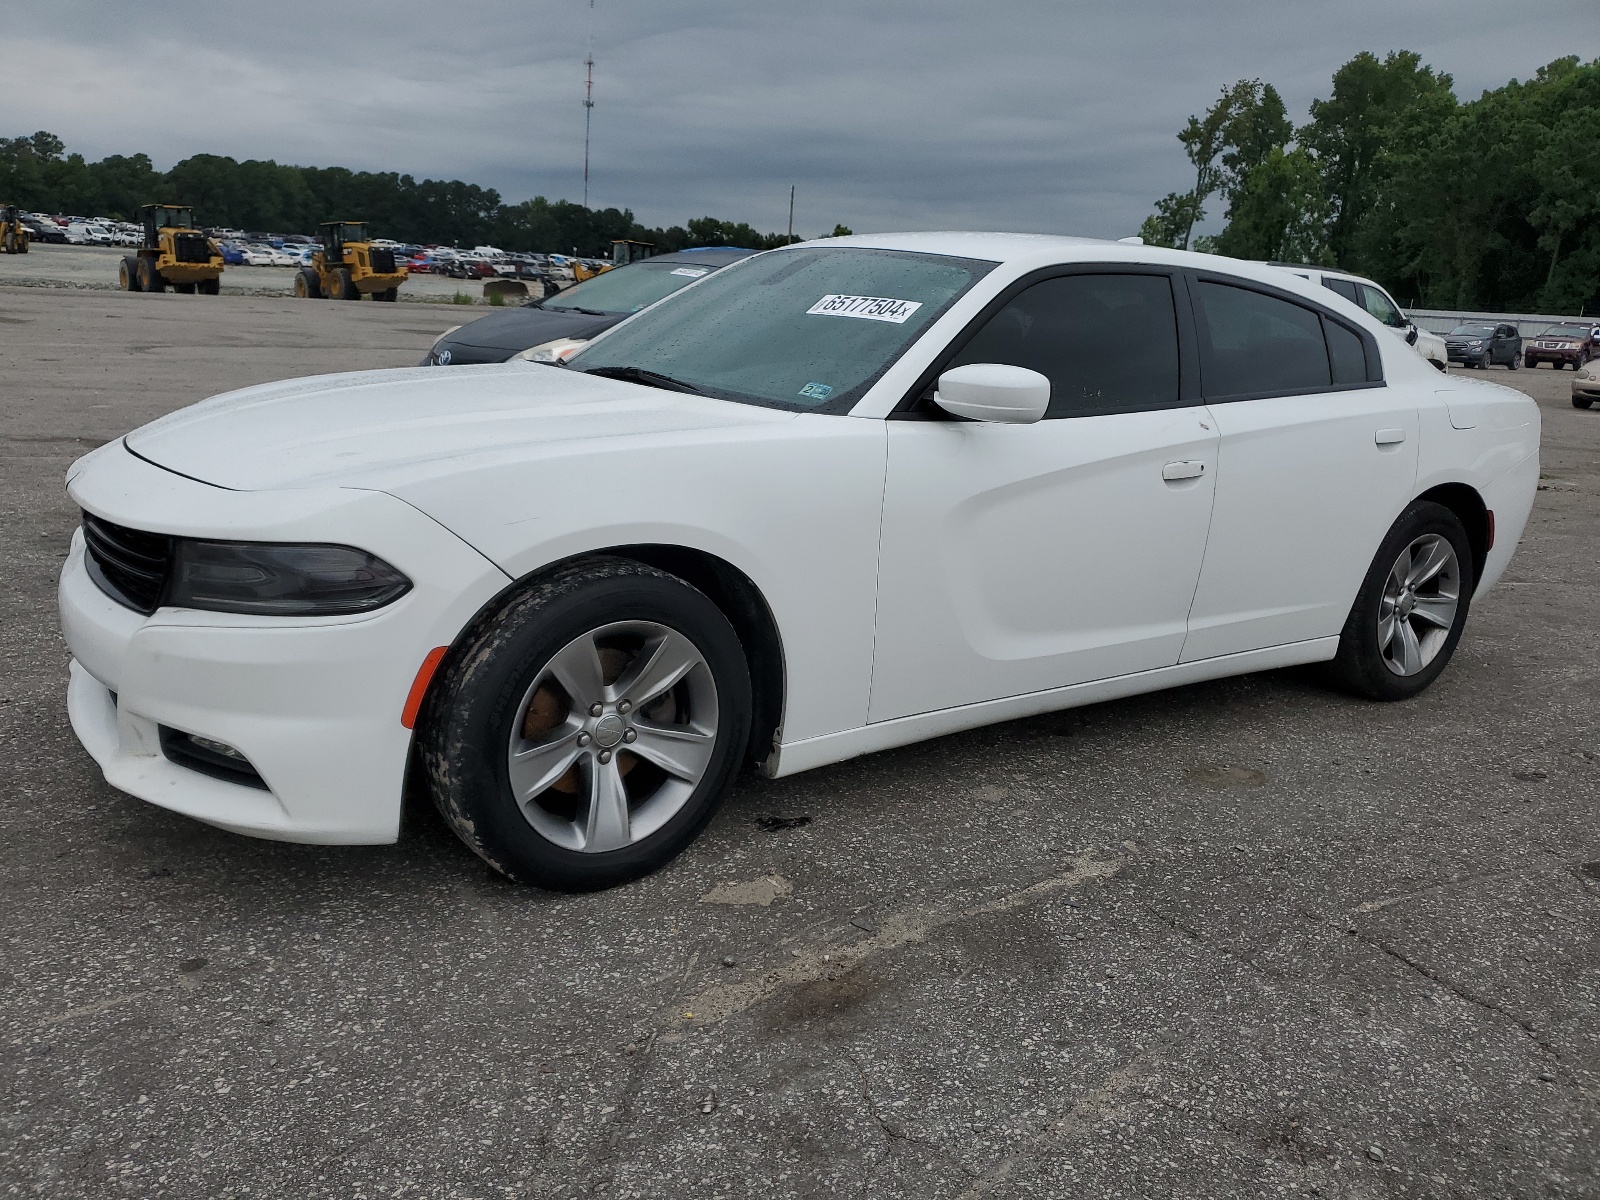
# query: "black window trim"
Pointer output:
{"type": "Point", "coordinates": [917, 404]}
{"type": "Point", "coordinates": [1369, 342]}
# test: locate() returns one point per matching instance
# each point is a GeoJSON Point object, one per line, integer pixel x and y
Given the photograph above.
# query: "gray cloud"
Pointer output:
{"type": "Point", "coordinates": [890, 114]}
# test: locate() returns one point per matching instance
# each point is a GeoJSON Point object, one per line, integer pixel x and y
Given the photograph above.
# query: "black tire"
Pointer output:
{"type": "Point", "coordinates": [209, 287]}
{"type": "Point", "coordinates": [1483, 363]}
{"type": "Point", "coordinates": [1360, 666]}
{"type": "Point", "coordinates": [1514, 362]}
{"type": "Point", "coordinates": [1582, 401]}
{"type": "Point", "coordinates": [183, 289]}
{"type": "Point", "coordinates": [478, 695]}
{"type": "Point", "coordinates": [388, 294]}
{"type": "Point", "coordinates": [150, 280]}
{"type": "Point", "coordinates": [128, 273]}
{"type": "Point", "coordinates": [344, 285]}
{"type": "Point", "coordinates": [307, 285]}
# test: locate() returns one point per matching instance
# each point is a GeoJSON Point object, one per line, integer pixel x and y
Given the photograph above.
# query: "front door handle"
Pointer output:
{"type": "Point", "coordinates": [1389, 437]}
{"type": "Point", "coordinates": [1184, 469]}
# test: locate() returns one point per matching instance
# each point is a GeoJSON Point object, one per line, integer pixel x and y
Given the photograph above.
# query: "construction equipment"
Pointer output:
{"type": "Point", "coordinates": [349, 266]}
{"type": "Point", "coordinates": [13, 233]}
{"type": "Point", "coordinates": [174, 254]}
{"type": "Point", "coordinates": [623, 252]}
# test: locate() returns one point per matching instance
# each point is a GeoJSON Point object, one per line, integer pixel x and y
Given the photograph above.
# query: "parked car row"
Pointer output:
{"type": "Point", "coordinates": [1482, 344]}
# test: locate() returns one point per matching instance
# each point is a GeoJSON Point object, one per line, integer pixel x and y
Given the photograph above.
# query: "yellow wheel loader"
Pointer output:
{"type": "Point", "coordinates": [175, 254]}
{"type": "Point", "coordinates": [349, 266]}
{"type": "Point", "coordinates": [623, 252]}
{"type": "Point", "coordinates": [13, 233]}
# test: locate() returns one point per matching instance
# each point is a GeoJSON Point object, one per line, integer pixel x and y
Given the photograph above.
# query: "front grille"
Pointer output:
{"type": "Point", "coordinates": [191, 248]}
{"type": "Point", "coordinates": [129, 565]}
{"type": "Point", "coordinates": [382, 260]}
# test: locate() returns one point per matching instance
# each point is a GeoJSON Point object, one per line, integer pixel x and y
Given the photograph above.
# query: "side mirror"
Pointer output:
{"type": "Point", "coordinates": [993, 392]}
{"type": "Point", "coordinates": [1411, 335]}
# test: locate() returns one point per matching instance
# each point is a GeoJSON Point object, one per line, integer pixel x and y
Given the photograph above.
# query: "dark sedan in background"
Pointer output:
{"type": "Point", "coordinates": [1560, 346]}
{"type": "Point", "coordinates": [548, 329]}
{"type": "Point", "coordinates": [1479, 344]}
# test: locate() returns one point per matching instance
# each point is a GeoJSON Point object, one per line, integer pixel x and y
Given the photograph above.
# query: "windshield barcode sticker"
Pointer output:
{"type": "Point", "coordinates": [868, 308]}
{"type": "Point", "coordinates": [691, 272]}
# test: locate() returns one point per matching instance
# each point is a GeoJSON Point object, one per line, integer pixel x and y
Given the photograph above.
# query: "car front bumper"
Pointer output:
{"type": "Point", "coordinates": [314, 704]}
{"type": "Point", "coordinates": [1534, 354]}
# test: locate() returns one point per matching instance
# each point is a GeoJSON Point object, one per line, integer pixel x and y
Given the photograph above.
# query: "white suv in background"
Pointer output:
{"type": "Point", "coordinates": [1369, 296]}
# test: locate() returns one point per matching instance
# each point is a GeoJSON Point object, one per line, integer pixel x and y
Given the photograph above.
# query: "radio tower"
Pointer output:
{"type": "Point", "coordinates": [588, 104]}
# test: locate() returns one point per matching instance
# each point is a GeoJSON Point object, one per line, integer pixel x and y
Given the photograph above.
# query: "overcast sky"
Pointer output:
{"type": "Point", "coordinates": [1043, 115]}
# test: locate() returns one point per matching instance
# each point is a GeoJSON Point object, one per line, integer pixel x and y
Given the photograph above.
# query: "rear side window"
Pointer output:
{"type": "Point", "coordinates": [1344, 287]}
{"type": "Point", "coordinates": [1380, 306]}
{"type": "Point", "coordinates": [1107, 343]}
{"type": "Point", "coordinates": [1346, 355]}
{"type": "Point", "coordinates": [1253, 344]}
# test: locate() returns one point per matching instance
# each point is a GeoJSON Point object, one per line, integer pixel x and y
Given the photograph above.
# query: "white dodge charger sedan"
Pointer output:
{"type": "Point", "coordinates": [841, 496]}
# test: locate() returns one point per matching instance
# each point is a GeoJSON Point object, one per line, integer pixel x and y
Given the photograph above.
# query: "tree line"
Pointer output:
{"type": "Point", "coordinates": [38, 174]}
{"type": "Point", "coordinates": [1492, 204]}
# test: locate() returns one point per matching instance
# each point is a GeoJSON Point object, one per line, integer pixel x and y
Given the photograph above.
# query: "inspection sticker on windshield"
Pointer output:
{"type": "Point", "coordinates": [817, 391]}
{"type": "Point", "coordinates": [868, 308]}
{"type": "Point", "coordinates": [691, 272]}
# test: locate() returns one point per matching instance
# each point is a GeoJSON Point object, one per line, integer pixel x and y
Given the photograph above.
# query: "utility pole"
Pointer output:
{"type": "Point", "coordinates": [588, 104]}
{"type": "Point", "coordinates": [791, 212]}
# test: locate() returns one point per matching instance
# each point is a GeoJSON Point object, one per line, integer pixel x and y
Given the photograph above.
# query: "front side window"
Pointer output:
{"type": "Point", "coordinates": [1380, 306]}
{"type": "Point", "coordinates": [808, 328]}
{"type": "Point", "coordinates": [1107, 343]}
{"type": "Point", "coordinates": [1253, 344]}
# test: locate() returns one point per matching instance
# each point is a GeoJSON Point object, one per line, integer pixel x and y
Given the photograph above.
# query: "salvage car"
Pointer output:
{"type": "Point", "coordinates": [1560, 346]}
{"type": "Point", "coordinates": [558, 325]}
{"type": "Point", "coordinates": [837, 497]}
{"type": "Point", "coordinates": [1478, 344]}
{"type": "Point", "coordinates": [1586, 386]}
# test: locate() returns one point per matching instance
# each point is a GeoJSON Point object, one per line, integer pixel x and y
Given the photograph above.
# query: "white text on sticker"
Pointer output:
{"type": "Point", "coordinates": [691, 272]}
{"type": "Point", "coordinates": [868, 308]}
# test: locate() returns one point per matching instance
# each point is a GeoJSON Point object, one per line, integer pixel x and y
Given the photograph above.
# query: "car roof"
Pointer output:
{"type": "Point", "coordinates": [720, 255]}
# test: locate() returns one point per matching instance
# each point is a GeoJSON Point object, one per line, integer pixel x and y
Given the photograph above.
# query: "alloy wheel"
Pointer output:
{"type": "Point", "coordinates": [613, 736]}
{"type": "Point", "coordinates": [1419, 604]}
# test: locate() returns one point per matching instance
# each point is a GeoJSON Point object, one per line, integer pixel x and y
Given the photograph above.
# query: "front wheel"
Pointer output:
{"type": "Point", "coordinates": [586, 735]}
{"type": "Point", "coordinates": [1514, 363]}
{"type": "Point", "coordinates": [1581, 401]}
{"type": "Point", "coordinates": [1411, 609]}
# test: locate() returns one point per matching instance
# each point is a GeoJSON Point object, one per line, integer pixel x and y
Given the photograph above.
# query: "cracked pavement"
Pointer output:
{"type": "Point", "coordinates": [1243, 938]}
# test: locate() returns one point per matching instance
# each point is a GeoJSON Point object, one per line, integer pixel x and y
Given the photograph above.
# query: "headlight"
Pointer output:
{"type": "Point", "coordinates": [1475, 345]}
{"type": "Point", "coordinates": [281, 579]}
{"type": "Point", "coordinates": [557, 351]}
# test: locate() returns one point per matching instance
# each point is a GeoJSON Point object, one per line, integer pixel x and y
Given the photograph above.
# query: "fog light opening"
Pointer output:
{"type": "Point", "coordinates": [210, 757]}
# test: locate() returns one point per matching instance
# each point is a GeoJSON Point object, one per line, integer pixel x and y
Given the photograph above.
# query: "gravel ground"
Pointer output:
{"type": "Point", "coordinates": [1239, 939]}
{"type": "Point", "coordinates": [94, 268]}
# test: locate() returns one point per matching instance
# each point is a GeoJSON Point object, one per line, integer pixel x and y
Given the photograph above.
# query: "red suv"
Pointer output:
{"type": "Point", "coordinates": [1561, 346]}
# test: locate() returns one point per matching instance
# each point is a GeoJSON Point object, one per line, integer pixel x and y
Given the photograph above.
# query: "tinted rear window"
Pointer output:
{"type": "Point", "coordinates": [1255, 344]}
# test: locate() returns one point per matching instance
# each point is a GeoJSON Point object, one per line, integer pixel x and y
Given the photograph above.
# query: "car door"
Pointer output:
{"type": "Point", "coordinates": [1019, 558]}
{"type": "Point", "coordinates": [1317, 458]}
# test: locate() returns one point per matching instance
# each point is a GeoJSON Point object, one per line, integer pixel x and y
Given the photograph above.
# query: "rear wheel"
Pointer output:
{"type": "Point", "coordinates": [389, 294]}
{"type": "Point", "coordinates": [150, 279]}
{"type": "Point", "coordinates": [307, 286]}
{"type": "Point", "coordinates": [128, 273]}
{"type": "Point", "coordinates": [1411, 609]}
{"type": "Point", "coordinates": [209, 287]}
{"type": "Point", "coordinates": [586, 735]}
{"type": "Point", "coordinates": [183, 289]}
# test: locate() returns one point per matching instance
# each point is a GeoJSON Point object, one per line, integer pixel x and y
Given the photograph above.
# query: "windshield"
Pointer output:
{"type": "Point", "coordinates": [1477, 331]}
{"type": "Point", "coordinates": [808, 328]}
{"type": "Point", "coordinates": [1566, 331]}
{"type": "Point", "coordinates": [628, 289]}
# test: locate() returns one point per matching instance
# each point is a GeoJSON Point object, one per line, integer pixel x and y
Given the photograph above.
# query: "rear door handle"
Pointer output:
{"type": "Point", "coordinates": [1389, 437]}
{"type": "Point", "coordinates": [1183, 469]}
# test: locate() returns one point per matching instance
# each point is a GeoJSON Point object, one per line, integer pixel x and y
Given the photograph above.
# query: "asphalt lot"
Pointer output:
{"type": "Point", "coordinates": [1242, 938]}
{"type": "Point", "coordinates": [94, 268]}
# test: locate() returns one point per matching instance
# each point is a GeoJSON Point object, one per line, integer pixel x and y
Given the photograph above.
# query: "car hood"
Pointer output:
{"type": "Point", "coordinates": [519, 328]}
{"type": "Point", "coordinates": [382, 429]}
